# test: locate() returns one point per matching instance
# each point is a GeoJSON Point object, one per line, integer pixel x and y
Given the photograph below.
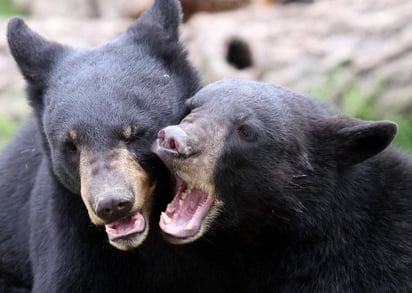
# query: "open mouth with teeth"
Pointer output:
{"type": "Point", "coordinates": [126, 227]}
{"type": "Point", "coordinates": [185, 215]}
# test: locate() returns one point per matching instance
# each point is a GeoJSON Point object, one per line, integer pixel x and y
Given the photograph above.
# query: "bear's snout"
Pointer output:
{"type": "Point", "coordinates": [113, 207]}
{"type": "Point", "coordinates": [172, 142]}
{"type": "Point", "coordinates": [173, 139]}
{"type": "Point", "coordinates": [113, 185]}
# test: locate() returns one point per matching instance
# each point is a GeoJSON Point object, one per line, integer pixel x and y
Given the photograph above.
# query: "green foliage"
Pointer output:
{"type": "Point", "coordinates": [7, 128]}
{"type": "Point", "coordinates": [404, 137]}
{"type": "Point", "coordinates": [365, 108]}
{"type": "Point", "coordinates": [7, 8]}
{"type": "Point", "coordinates": [363, 105]}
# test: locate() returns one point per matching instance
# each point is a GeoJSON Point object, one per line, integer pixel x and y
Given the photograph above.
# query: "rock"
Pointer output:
{"type": "Point", "coordinates": [305, 46]}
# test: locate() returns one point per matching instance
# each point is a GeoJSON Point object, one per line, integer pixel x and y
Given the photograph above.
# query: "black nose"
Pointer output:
{"type": "Point", "coordinates": [111, 208]}
{"type": "Point", "coordinates": [173, 138]}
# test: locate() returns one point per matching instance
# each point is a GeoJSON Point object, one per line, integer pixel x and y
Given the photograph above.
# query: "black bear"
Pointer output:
{"type": "Point", "coordinates": [83, 161]}
{"type": "Point", "coordinates": [318, 199]}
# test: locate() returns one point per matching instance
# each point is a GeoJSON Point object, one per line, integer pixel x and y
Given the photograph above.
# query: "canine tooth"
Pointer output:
{"type": "Point", "coordinates": [190, 225]}
{"type": "Point", "coordinates": [184, 194]}
{"type": "Point", "coordinates": [136, 222]}
{"type": "Point", "coordinates": [170, 209]}
{"type": "Point", "coordinates": [165, 218]}
{"type": "Point", "coordinates": [110, 229]}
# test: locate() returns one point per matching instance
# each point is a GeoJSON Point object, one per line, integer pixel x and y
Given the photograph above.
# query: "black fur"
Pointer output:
{"type": "Point", "coordinates": [47, 242]}
{"type": "Point", "coordinates": [319, 200]}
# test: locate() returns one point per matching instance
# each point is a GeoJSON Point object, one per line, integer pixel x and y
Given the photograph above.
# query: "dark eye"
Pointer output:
{"type": "Point", "coordinates": [137, 135]}
{"type": "Point", "coordinates": [70, 147]}
{"type": "Point", "coordinates": [70, 144]}
{"type": "Point", "coordinates": [247, 133]}
{"type": "Point", "coordinates": [131, 133]}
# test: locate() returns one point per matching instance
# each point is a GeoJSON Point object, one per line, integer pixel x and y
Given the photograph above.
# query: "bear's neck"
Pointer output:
{"type": "Point", "coordinates": [341, 208]}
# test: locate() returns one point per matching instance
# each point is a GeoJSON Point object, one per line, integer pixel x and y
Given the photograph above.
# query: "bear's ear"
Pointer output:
{"type": "Point", "coordinates": [160, 21]}
{"type": "Point", "coordinates": [357, 140]}
{"type": "Point", "coordinates": [34, 55]}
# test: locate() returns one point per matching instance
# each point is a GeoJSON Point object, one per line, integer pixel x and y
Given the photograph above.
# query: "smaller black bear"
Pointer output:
{"type": "Point", "coordinates": [319, 200]}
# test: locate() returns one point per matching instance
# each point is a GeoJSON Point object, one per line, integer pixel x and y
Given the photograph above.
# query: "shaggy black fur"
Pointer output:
{"type": "Point", "coordinates": [47, 241]}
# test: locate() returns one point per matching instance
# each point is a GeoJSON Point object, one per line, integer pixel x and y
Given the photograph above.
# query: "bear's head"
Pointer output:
{"type": "Point", "coordinates": [100, 109]}
{"type": "Point", "coordinates": [255, 155]}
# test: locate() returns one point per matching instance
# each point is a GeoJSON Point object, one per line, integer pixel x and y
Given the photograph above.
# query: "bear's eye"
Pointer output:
{"type": "Point", "coordinates": [136, 135]}
{"type": "Point", "coordinates": [247, 133]}
{"type": "Point", "coordinates": [129, 134]}
{"type": "Point", "coordinates": [70, 147]}
{"type": "Point", "coordinates": [70, 144]}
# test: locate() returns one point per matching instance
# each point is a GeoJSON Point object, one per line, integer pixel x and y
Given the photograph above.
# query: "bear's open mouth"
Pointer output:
{"type": "Point", "coordinates": [184, 216]}
{"type": "Point", "coordinates": [132, 224]}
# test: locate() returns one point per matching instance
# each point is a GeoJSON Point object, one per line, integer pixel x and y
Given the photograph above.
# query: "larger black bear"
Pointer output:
{"type": "Point", "coordinates": [320, 202]}
{"type": "Point", "coordinates": [84, 156]}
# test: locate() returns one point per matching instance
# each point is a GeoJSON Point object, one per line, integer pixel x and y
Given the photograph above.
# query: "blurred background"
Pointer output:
{"type": "Point", "coordinates": [354, 54]}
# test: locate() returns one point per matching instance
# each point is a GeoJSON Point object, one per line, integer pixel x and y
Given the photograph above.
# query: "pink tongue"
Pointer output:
{"type": "Point", "coordinates": [183, 218]}
{"type": "Point", "coordinates": [126, 226]}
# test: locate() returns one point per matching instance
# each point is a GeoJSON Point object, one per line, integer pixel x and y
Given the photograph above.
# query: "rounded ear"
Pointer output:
{"type": "Point", "coordinates": [358, 140]}
{"type": "Point", "coordinates": [34, 54]}
{"type": "Point", "coordinates": [159, 21]}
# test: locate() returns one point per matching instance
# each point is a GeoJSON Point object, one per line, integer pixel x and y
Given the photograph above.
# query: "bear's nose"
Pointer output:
{"type": "Point", "coordinates": [174, 139]}
{"type": "Point", "coordinates": [111, 208]}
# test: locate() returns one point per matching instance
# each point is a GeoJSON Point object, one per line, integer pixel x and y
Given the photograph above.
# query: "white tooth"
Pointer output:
{"type": "Point", "coordinates": [170, 209]}
{"type": "Point", "coordinates": [183, 195]}
{"type": "Point", "coordinates": [110, 229]}
{"type": "Point", "coordinates": [136, 222]}
{"type": "Point", "coordinates": [186, 193]}
{"type": "Point", "coordinates": [165, 218]}
{"type": "Point", "coordinates": [180, 202]}
{"type": "Point", "coordinates": [190, 225]}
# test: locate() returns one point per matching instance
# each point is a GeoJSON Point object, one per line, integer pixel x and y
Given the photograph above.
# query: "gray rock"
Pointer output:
{"type": "Point", "coordinates": [367, 43]}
